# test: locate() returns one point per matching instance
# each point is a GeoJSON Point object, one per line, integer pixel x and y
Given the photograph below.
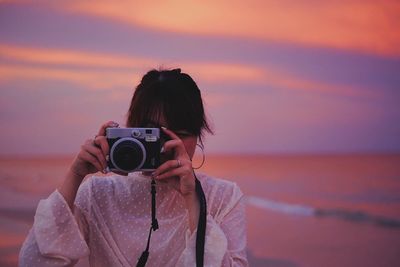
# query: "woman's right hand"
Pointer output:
{"type": "Point", "coordinates": [92, 156]}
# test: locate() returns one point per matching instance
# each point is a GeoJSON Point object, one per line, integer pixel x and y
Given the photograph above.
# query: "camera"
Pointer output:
{"type": "Point", "coordinates": [133, 149]}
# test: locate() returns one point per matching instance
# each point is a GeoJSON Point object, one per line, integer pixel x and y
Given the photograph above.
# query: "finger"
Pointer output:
{"type": "Point", "coordinates": [165, 166]}
{"type": "Point", "coordinates": [101, 141]}
{"type": "Point", "coordinates": [170, 133]}
{"type": "Point", "coordinates": [168, 174]}
{"type": "Point", "coordinates": [87, 157]}
{"type": "Point", "coordinates": [106, 125]}
{"type": "Point", "coordinates": [180, 172]}
{"type": "Point", "coordinates": [177, 146]}
{"type": "Point", "coordinates": [168, 165]}
{"type": "Point", "coordinates": [172, 144]}
{"type": "Point", "coordinates": [96, 152]}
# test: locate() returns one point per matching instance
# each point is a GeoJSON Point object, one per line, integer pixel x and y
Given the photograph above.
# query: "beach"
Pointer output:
{"type": "Point", "coordinates": [302, 210]}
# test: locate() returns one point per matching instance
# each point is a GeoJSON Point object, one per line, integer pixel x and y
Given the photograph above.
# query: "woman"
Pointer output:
{"type": "Point", "coordinates": [107, 218]}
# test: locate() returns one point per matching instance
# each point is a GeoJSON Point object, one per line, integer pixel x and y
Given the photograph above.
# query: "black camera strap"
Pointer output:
{"type": "Point", "coordinates": [201, 227]}
{"type": "Point", "coordinates": [154, 226]}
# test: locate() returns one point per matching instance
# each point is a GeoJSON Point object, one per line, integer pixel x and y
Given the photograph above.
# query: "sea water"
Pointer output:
{"type": "Point", "coordinates": [302, 210]}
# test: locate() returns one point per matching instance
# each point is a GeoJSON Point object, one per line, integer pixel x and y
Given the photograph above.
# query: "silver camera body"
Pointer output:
{"type": "Point", "coordinates": [133, 149]}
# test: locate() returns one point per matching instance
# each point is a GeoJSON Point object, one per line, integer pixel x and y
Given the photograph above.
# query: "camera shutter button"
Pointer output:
{"type": "Point", "coordinates": [136, 133]}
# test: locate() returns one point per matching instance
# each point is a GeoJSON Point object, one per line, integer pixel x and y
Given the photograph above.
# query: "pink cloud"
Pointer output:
{"type": "Point", "coordinates": [117, 70]}
{"type": "Point", "coordinates": [368, 26]}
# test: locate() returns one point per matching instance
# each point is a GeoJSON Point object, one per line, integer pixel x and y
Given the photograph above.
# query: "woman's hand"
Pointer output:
{"type": "Point", "coordinates": [92, 156]}
{"type": "Point", "coordinates": [90, 159]}
{"type": "Point", "coordinates": [178, 171]}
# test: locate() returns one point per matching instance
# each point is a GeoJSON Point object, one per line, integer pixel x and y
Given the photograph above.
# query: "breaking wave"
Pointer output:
{"type": "Point", "coordinates": [306, 210]}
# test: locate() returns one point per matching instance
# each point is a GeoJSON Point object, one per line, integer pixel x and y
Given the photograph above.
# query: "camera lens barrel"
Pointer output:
{"type": "Point", "coordinates": [127, 154]}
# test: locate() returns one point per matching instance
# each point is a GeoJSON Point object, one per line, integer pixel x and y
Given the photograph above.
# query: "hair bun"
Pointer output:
{"type": "Point", "coordinates": [177, 71]}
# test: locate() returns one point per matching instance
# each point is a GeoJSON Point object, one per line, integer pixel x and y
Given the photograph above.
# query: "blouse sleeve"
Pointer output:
{"type": "Point", "coordinates": [225, 243]}
{"type": "Point", "coordinates": [57, 237]}
{"type": "Point", "coordinates": [234, 225]}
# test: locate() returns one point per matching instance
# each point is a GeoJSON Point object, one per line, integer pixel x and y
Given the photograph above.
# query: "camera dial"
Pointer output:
{"type": "Point", "coordinates": [136, 133]}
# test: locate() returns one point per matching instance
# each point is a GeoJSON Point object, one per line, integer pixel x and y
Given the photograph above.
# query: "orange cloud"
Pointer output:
{"type": "Point", "coordinates": [368, 26]}
{"type": "Point", "coordinates": [59, 56]}
{"type": "Point", "coordinates": [123, 71]}
{"type": "Point", "coordinates": [88, 78]}
{"type": "Point", "coordinates": [116, 67]}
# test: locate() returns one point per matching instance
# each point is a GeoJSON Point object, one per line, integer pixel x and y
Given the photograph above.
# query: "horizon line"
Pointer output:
{"type": "Point", "coordinates": [223, 154]}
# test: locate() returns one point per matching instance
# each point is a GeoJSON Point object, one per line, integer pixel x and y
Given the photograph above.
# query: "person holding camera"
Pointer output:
{"type": "Point", "coordinates": [194, 219]}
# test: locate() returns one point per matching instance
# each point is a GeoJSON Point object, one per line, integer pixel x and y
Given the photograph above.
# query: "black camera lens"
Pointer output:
{"type": "Point", "coordinates": [128, 155]}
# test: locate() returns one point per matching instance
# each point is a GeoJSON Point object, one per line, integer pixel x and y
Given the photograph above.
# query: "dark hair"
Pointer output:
{"type": "Point", "coordinates": [173, 95]}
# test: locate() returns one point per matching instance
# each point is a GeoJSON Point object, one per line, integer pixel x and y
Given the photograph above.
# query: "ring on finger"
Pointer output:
{"type": "Point", "coordinates": [179, 163]}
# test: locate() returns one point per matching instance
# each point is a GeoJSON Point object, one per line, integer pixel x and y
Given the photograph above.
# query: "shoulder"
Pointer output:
{"type": "Point", "coordinates": [221, 195]}
{"type": "Point", "coordinates": [211, 184]}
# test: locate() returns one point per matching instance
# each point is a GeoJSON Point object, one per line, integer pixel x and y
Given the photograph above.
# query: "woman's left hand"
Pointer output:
{"type": "Point", "coordinates": [178, 171]}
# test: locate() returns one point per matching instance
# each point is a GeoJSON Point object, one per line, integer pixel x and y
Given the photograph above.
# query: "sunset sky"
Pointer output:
{"type": "Point", "coordinates": [282, 76]}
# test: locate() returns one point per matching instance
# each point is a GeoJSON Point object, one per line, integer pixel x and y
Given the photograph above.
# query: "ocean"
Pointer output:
{"type": "Point", "coordinates": [302, 210]}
